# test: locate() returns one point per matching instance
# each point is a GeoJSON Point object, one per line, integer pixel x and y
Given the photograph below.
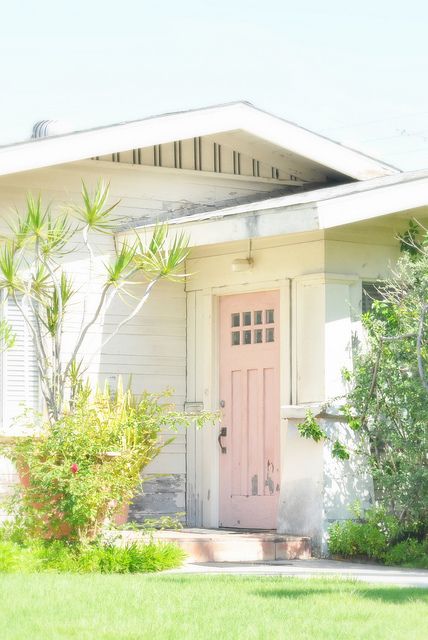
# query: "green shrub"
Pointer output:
{"type": "Point", "coordinates": [95, 557]}
{"type": "Point", "coordinates": [17, 559]}
{"type": "Point", "coordinates": [410, 553]}
{"type": "Point", "coordinates": [83, 468]}
{"type": "Point", "coordinates": [370, 537]}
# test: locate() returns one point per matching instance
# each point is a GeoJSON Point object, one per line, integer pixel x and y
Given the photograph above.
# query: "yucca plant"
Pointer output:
{"type": "Point", "coordinates": [33, 272]}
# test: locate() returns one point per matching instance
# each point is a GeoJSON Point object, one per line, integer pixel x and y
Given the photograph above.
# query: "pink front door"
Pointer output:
{"type": "Point", "coordinates": [249, 400]}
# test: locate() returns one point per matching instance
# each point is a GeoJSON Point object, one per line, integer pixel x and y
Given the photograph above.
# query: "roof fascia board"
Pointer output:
{"type": "Point", "coordinates": [81, 145]}
{"type": "Point", "coordinates": [376, 203]}
{"type": "Point", "coordinates": [246, 227]}
{"type": "Point", "coordinates": [317, 148]}
{"type": "Point", "coordinates": [167, 128]}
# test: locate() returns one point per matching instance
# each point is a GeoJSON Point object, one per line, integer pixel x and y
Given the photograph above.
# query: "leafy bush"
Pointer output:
{"type": "Point", "coordinates": [411, 553]}
{"type": "Point", "coordinates": [389, 387]}
{"type": "Point", "coordinates": [369, 538]}
{"type": "Point", "coordinates": [376, 537]}
{"type": "Point", "coordinates": [88, 558]}
{"type": "Point", "coordinates": [85, 467]}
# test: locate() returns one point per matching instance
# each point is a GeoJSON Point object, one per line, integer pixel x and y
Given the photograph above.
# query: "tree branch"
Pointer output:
{"type": "Point", "coordinates": [129, 317]}
{"type": "Point", "coordinates": [86, 329]}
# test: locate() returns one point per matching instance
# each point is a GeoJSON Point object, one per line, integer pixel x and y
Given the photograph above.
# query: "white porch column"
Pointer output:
{"type": "Point", "coordinates": [317, 489]}
{"type": "Point", "coordinates": [301, 498]}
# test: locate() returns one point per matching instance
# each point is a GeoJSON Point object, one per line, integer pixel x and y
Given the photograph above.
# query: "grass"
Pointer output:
{"type": "Point", "coordinates": [38, 556]}
{"type": "Point", "coordinates": [164, 607]}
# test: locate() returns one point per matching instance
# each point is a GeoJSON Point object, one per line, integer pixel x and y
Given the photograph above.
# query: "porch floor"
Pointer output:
{"type": "Point", "coordinates": [231, 545]}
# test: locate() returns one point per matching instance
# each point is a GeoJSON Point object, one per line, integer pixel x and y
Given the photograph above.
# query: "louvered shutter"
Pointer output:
{"type": "Point", "coordinates": [21, 388]}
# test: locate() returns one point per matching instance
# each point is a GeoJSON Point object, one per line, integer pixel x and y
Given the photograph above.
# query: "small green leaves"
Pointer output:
{"type": "Point", "coordinates": [353, 421]}
{"type": "Point", "coordinates": [410, 239]}
{"type": "Point", "coordinates": [339, 451]}
{"type": "Point", "coordinates": [310, 428]}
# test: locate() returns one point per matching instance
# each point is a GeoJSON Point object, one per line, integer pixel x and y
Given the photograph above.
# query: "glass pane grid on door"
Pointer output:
{"type": "Point", "coordinates": [252, 327]}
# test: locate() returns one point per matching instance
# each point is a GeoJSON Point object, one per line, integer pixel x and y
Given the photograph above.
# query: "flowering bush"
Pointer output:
{"type": "Point", "coordinates": [85, 467]}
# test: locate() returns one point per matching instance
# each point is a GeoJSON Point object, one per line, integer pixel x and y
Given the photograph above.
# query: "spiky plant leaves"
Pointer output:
{"type": "Point", "coordinates": [118, 271]}
{"type": "Point", "coordinates": [94, 212]}
{"type": "Point", "coordinates": [160, 259]}
{"type": "Point", "coordinates": [10, 270]}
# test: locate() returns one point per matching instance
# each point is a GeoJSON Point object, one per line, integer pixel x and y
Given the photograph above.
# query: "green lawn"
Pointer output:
{"type": "Point", "coordinates": [53, 606]}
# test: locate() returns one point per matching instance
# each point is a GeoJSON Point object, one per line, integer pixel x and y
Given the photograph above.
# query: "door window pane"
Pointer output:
{"type": "Point", "coordinates": [258, 336]}
{"type": "Point", "coordinates": [247, 337]}
{"type": "Point", "coordinates": [246, 318]}
{"type": "Point", "coordinates": [258, 317]}
{"type": "Point", "coordinates": [235, 319]}
{"type": "Point", "coordinates": [269, 335]}
{"type": "Point", "coordinates": [269, 316]}
{"type": "Point", "coordinates": [235, 338]}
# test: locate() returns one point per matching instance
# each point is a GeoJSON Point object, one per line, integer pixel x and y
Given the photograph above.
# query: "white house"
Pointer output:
{"type": "Point", "coordinates": [286, 228]}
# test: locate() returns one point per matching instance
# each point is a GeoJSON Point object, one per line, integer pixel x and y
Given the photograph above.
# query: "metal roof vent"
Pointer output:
{"type": "Point", "coordinates": [45, 128]}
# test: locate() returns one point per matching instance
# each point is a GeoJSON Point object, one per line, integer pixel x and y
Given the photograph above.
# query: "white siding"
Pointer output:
{"type": "Point", "coordinates": [151, 349]}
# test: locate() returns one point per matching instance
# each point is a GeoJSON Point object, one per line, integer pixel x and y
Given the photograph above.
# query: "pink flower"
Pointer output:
{"type": "Point", "coordinates": [74, 468]}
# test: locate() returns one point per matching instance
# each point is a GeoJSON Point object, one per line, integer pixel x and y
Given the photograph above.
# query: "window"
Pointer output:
{"type": "Point", "coordinates": [371, 291]}
{"type": "Point", "coordinates": [253, 331]}
{"type": "Point", "coordinates": [19, 375]}
{"type": "Point", "coordinates": [235, 319]}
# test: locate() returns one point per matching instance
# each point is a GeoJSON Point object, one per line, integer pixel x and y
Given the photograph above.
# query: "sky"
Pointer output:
{"type": "Point", "coordinates": [353, 71]}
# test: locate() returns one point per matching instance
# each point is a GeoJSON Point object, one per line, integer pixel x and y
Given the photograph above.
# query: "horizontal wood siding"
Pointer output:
{"type": "Point", "coordinates": [149, 351]}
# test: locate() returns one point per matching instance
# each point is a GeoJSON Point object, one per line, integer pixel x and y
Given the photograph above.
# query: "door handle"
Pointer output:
{"type": "Point", "coordinates": [222, 434]}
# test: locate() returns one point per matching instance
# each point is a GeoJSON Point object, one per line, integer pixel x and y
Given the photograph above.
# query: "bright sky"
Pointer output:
{"type": "Point", "coordinates": [354, 71]}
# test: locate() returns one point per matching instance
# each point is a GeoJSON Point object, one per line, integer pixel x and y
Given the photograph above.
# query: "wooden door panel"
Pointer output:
{"type": "Point", "coordinates": [249, 390]}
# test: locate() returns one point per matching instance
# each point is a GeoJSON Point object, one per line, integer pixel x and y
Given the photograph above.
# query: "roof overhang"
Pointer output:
{"type": "Point", "coordinates": [311, 211]}
{"type": "Point", "coordinates": [45, 152]}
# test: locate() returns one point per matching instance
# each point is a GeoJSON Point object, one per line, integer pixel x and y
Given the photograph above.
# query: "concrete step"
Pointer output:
{"type": "Point", "coordinates": [221, 545]}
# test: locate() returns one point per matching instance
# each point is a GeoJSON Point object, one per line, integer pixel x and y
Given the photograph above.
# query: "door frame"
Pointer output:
{"type": "Point", "coordinates": [202, 450]}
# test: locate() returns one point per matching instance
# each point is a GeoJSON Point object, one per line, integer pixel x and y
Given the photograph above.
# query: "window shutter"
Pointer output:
{"type": "Point", "coordinates": [21, 388]}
